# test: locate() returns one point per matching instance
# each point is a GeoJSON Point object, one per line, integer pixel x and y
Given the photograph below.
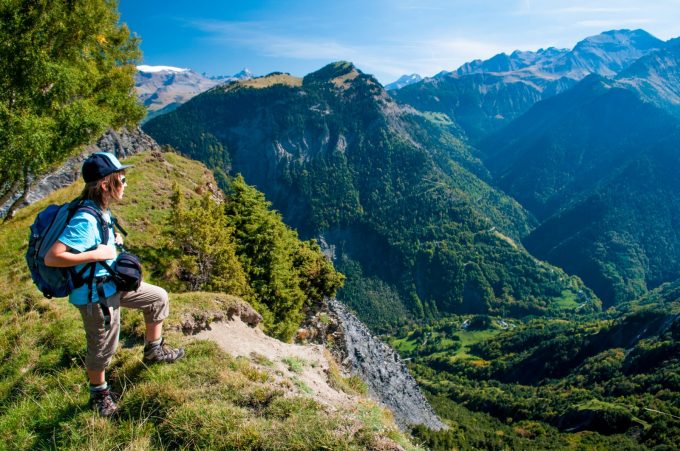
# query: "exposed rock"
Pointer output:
{"type": "Point", "coordinates": [379, 366]}
{"type": "Point", "coordinates": [321, 326]}
{"type": "Point", "coordinates": [121, 143]}
{"type": "Point", "coordinates": [386, 375]}
{"type": "Point", "coordinates": [247, 314]}
{"type": "Point", "coordinates": [192, 323]}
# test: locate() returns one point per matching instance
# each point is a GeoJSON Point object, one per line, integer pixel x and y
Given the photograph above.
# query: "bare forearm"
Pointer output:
{"type": "Point", "coordinates": [60, 256]}
{"type": "Point", "coordinates": [68, 259]}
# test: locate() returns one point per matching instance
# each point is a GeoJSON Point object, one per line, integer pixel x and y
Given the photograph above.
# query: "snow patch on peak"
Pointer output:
{"type": "Point", "coordinates": [404, 80]}
{"type": "Point", "coordinates": [154, 69]}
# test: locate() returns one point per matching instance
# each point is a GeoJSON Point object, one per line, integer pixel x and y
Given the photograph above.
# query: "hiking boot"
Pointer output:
{"type": "Point", "coordinates": [104, 402]}
{"type": "Point", "coordinates": [161, 353]}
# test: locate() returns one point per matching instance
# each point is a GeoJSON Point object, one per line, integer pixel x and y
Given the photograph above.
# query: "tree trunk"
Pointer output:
{"type": "Point", "coordinates": [12, 209]}
{"type": "Point", "coordinates": [11, 191]}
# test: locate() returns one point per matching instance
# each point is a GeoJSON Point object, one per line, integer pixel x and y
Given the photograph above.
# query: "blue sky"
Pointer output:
{"type": "Point", "coordinates": [383, 38]}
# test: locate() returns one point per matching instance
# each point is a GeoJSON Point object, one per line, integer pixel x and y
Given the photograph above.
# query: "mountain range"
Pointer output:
{"type": "Point", "coordinates": [416, 227]}
{"type": "Point", "coordinates": [592, 165]}
{"type": "Point", "coordinates": [163, 88]}
{"type": "Point", "coordinates": [552, 128]}
{"type": "Point", "coordinates": [483, 96]}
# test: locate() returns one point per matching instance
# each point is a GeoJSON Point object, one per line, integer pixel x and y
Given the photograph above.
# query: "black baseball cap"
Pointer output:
{"type": "Point", "coordinates": [100, 164]}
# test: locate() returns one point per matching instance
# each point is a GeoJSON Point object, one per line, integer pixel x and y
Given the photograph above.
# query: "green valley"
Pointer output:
{"type": "Point", "coordinates": [606, 380]}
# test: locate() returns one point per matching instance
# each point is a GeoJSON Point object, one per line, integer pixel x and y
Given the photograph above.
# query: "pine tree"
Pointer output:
{"type": "Point", "coordinates": [284, 272]}
{"type": "Point", "coordinates": [318, 277]}
{"type": "Point", "coordinates": [203, 248]}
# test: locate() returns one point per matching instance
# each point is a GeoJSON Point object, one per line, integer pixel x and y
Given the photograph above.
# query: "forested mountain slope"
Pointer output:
{"type": "Point", "coordinates": [623, 238]}
{"type": "Point", "coordinates": [566, 146]}
{"type": "Point", "coordinates": [596, 166]}
{"type": "Point", "coordinates": [389, 187]}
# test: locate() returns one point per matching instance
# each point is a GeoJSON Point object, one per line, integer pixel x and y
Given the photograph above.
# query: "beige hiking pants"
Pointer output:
{"type": "Point", "coordinates": [102, 343]}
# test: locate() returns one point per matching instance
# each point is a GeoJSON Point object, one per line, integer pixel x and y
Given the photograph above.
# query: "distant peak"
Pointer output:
{"type": "Point", "coordinates": [154, 69]}
{"type": "Point", "coordinates": [243, 74]}
{"type": "Point", "coordinates": [332, 71]}
{"type": "Point", "coordinates": [634, 38]}
{"type": "Point", "coordinates": [404, 80]}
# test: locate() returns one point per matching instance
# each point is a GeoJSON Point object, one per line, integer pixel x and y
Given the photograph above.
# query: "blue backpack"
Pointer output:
{"type": "Point", "coordinates": [45, 231]}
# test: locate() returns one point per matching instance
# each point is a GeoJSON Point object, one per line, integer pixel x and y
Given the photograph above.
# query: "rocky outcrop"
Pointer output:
{"type": "Point", "coordinates": [385, 374]}
{"type": "Point", "coordinates": [192, 323]}
{"type": "Point", "coordinates": [122, 143]}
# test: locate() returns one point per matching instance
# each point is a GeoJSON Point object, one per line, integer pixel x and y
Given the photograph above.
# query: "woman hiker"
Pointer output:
{"type": "Point", "coordinates": [80, 244]}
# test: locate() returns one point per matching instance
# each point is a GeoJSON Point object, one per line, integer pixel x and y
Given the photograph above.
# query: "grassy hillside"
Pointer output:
{"type": "Point", "coordinates": [208, 400]}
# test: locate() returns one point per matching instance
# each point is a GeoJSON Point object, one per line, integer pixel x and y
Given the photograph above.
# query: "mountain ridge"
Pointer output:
{"type": "Point", "coordinates": [484, 96]}
{"type": "Point", "coordinates": [656, 78]}
{"type": "Point", "coordinates": [564, 160]}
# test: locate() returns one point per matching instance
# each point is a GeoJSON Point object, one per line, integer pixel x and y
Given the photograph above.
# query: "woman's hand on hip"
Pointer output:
{"type": "Point", "coordinates": [103, 252]}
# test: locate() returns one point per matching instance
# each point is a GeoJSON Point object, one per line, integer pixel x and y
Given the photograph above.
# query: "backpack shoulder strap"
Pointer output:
{"type": "Point", "coordinates": [118, 226]}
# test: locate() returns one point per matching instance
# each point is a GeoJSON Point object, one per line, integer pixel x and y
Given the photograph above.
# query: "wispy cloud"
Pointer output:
{"type": "Point", "coordinates": [391, 58]}
{"type": "Point", "coordinates": [600, 24]}
{"type": "Point", "coordinates": [418, 5]}
{"type": "Point", "coordinates": [553, 9]}
{"type": "Point", "coordinates": [592, 10]}
{"type": "Point", "coordinates": [264, 38]}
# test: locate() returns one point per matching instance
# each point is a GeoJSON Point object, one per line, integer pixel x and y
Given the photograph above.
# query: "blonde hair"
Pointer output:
{"type": "Point", "coordinates": [95, 191]}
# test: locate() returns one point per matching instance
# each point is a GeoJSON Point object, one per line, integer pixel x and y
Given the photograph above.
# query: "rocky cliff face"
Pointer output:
{"type": "Point", "coordinates": [386, 375]}
{"type": "Point", "coordinates": [121, 143]}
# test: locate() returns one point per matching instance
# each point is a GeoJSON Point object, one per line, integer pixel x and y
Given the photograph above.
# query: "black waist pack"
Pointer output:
{"type": "Point", "coordinates": [128, 272]}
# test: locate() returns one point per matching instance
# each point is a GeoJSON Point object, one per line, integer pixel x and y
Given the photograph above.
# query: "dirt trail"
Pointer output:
{"type": "Point", "coordinates": [305, 365]}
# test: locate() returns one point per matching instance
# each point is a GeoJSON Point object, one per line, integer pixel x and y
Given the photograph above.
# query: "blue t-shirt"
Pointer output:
{"type": "Point", "coordinates": [82, 234]}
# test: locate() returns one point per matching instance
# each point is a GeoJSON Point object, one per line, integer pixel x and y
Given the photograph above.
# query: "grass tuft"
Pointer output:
{"type": "Point", "coordinates": [294, 364]}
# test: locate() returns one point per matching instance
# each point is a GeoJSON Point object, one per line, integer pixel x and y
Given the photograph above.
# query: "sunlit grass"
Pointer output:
{"type": "Point", "coordinates": [470, 338]}
{"type": "Point", "coordinates": [208, 400]}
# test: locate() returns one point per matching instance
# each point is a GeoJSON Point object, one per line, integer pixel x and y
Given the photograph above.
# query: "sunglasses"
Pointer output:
{"type": "Point", "coordinates": [123, 180]}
